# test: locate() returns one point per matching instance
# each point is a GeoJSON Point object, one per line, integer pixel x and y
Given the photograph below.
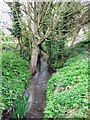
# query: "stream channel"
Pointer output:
{"type": "Point", "coordinates": [38, 85]}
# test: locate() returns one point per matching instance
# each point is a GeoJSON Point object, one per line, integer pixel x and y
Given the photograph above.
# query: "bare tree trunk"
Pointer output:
{"type": "Point", "coordinates": [34, 59]}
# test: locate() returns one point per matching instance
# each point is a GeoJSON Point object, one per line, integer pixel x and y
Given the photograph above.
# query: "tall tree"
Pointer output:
{"type": "Point", "coordinates": [48, 22]}
{"type": "Point", "coordinates": [51, 22]}
{"type": "Point", "coordinates": [16, 20]}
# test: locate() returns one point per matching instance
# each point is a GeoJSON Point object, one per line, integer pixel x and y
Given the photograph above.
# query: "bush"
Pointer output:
{"type": "Point", "coordinates": [78, 48]}
{"type": "Point", "coordinates": [67, 90]}
{"type": "Point", "coordinates": [15, 78]}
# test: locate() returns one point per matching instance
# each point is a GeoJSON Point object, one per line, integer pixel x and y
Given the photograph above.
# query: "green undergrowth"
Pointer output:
{"type": "Point", "coordinates": [78, 48]}
{"type": "Point", "coordinates": [15, 78]}
{"type": "Point", "coordinates": [67, 90]}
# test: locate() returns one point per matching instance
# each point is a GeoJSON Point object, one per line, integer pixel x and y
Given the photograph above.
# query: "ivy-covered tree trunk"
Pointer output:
{"type": "Point", "coordinates": [16, 22]}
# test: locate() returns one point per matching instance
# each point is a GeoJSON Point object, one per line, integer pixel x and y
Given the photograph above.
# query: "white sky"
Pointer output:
{"type": "Point", "coordinates": [4, 17]}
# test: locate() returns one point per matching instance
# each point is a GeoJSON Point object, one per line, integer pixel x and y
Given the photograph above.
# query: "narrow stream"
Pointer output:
{"type": "Point", "coordinates": [38, 91]}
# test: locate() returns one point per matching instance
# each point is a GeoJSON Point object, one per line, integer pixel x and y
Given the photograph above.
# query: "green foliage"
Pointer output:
{"type": "Point", "coordinates": [8, 46]}
{"type": "Point", "coordinates": [78, 48]}
{"type": "Point", "coordinates": [21, 107]}
{"type": "Point", "coordinates": [7, 41]}
{"type": "Point", "coordinates": [67, 90]}
{"type": "Point", "coordinates": [16, 15]}
{"type": "Point", "coordinates": [15, 78]}
{"type": "Point", "coordinates": [83, 44]}
{"type": "Point", "coordinates": [4, 37]}
{"type": "Point", "coordinates": [56, 51]}
{"type": "Point", "coordinates": [55, 43]}
{"type": "Point", "coordinates": [26, 41]}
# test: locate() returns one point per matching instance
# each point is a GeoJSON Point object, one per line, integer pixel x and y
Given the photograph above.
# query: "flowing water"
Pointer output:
{"type": "Point", "coordinates": [38, 91]}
